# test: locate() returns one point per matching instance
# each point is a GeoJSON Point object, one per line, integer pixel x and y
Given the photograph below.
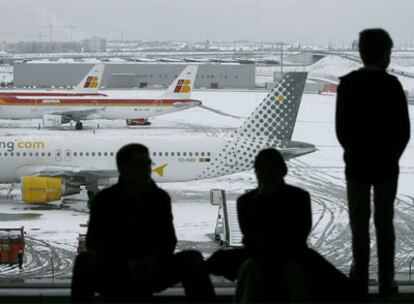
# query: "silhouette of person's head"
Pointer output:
{"type": "Point", "coordinates": [375, 48]}
{"type": "Point", "coordinates": [134, 165]}
{"type": "Point", "coordinates": [270, 169]}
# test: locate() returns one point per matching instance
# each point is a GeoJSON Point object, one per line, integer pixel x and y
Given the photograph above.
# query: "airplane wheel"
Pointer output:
{"type": "Point", "coordinates": [79, 126]}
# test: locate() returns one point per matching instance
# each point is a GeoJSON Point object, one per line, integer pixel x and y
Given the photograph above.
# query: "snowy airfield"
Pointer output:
{"type": "Point", "coordinates": [52, 230]}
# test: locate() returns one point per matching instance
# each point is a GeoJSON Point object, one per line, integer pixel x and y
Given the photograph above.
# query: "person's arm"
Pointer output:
{"type": "Point", "coordinates": [342, 130]}
{"type": "Point", "coordinates": [242, 213]}
{"type": "Point", "coordinates": [95, 224]}
{"type": "Point", "coordinates": [403, 121]}
{"type": "Point", "coordinates": [301, 221]}
{"type": "Point", "coordinates": [166, 240]}
{"type": "Point", "coordinates": [307, 217]}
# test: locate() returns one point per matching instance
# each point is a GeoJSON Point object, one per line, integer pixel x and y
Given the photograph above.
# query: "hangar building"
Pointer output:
{"type": "Point", "coordinates": [133, 75]}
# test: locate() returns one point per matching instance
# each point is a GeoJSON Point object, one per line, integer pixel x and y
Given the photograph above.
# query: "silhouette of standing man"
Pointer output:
{"type": "Point", "coordinates": [372, 125]}
{"type": "Point", "coordinates": [131, 241]}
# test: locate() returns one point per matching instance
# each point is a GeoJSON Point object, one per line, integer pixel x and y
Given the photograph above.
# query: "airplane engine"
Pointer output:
{"type": "Point", "coordinates": [40, 190]}
{"type": "Point", "coordinates": [52, 121]}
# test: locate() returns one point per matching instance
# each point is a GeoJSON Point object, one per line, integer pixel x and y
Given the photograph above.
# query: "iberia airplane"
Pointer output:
{"type": "Point", "coordinates": [58, 109]}
{"type": "Point", "coordinates": [49, 168]}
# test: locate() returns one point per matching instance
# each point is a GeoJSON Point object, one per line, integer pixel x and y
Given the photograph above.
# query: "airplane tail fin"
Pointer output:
{"type": "Point", "coordinates": [273, 121]}
{"type": "Point", "coordinates": [92, 81]}
{"type": "Point", "coordinates": [182, 86]}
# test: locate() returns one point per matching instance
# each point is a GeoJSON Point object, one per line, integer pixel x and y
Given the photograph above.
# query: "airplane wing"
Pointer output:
{"type": "Point", "coordinates": [69, 172]}
{"type": "Point", "coordinates": [77, 115]}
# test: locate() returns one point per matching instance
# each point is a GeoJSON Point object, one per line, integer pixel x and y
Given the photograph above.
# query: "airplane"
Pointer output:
{"type": "Point", "coordinates": [50, 168]}
{"type": "Point", "coordinates": [89, 86]}
{"type": "Point", "coordinates": [58, 109]}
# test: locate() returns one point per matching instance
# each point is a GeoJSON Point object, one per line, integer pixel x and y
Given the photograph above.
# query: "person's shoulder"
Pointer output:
{"type": "Point", "coordinates": [392, 78]}
{"type": "Point", "coordinates": [105, 197]}
{"type": "Point", "coordinates": [297, 191]}
{"type": "Point", "coordinates": [351, 76]}
{"type": "Point", "coordinates": [247, 197]}
{"type": "Point", "coordinates": [107, 192]}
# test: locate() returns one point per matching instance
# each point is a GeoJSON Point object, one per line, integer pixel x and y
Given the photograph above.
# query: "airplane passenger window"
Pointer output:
{"type": "Point", "coordinates": [75, 154]}
{"type": "Point", "coordinates": [86, 153]}
{"type": "Point", "coordinates": [196, 154]}
{"type": "Point", "coordinates": [172, 153]}
{"type": "Point", "coordinates": [49, 154]}
{"type": "Point", "coordinates": [184, 153]}
{"type": "Point", "coordinates": [80, 153]}
{"type": "Point", "coordinates": [36, 153]}
{"type": "Point", "coordinates": [17, 154]}
{"type": "Point", "coordinates": [99, 153]}
{"type": "Point", "coordinates": [202, 153]}
{"type": "Point", "coordinates": [178, 153]}
{"type": "Point", "coordinates": [105, 153]}
{"type": "Point", "coordinates": [166, 153]}
{"type": "Point", "coordinates": [190, 154]}
{"type": "Point", "coordinates": [93, 153]}
{"type": "Point", "coordinates": [5, 154]}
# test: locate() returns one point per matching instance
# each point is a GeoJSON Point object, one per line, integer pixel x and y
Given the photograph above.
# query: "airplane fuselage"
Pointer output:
{"type": "Point", "coordinates": [35, 107]}
{"type": "Point", "coordinates": [173, 160]}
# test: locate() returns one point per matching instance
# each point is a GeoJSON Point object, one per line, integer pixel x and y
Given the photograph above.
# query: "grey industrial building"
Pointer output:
{"type": "Point", "coordinates": [133, 75]}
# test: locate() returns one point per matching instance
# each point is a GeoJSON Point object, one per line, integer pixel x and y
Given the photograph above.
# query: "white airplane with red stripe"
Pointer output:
{"type": "Point", "coordinates": [86, 105]}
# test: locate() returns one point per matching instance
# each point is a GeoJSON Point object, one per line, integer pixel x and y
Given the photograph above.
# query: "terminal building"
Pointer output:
{"type": "Point", "coordinates": [133, 75]}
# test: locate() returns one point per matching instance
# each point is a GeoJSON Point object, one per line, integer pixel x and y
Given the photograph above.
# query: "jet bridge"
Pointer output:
{"type": "Point", "coordinates": [227, 230]}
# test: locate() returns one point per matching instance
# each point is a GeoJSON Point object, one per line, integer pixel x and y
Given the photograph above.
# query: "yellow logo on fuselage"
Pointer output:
{"type": "Point", "coordinates": [160, 170]}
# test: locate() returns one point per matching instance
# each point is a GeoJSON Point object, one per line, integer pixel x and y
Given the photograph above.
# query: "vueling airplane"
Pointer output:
{"type": "Point", "coordinates": [51, 168]}
{"type": "Point", "coordinates": [58, 109]}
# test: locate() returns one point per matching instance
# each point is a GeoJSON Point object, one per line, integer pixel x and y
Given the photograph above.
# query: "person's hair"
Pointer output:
{"type": "Point", "coordinates": [123, 156]}
{"type": "Point", "coordinates": [374, 45]}
{"type": "Point", "coordinates": [270, 157]}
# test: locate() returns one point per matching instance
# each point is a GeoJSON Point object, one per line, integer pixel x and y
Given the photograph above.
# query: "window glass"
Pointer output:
{"type": "Point", "coordinates": [242, 49]}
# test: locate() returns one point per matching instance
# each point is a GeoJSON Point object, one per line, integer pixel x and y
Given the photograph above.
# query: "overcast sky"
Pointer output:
{"type": "Point", "coordinates": [307, 21]}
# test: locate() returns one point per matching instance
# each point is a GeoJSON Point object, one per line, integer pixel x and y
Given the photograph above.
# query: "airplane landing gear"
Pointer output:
{"type": "Point", "coordinates": [79, 125]}
{"type": "Point", "coordinates": [91, 190]}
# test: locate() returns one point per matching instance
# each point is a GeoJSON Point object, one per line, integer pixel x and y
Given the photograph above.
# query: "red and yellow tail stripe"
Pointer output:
{"type": "Point", "coordinates": [91, 82]}
{"type": "Point", "coordinates": [183, 86]}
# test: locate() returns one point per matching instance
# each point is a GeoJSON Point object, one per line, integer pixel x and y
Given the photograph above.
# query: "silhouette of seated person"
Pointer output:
{"type": "Point", "coordinates": [131, 241]}
{"type": "Point", "coordinates": [275, 220]}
